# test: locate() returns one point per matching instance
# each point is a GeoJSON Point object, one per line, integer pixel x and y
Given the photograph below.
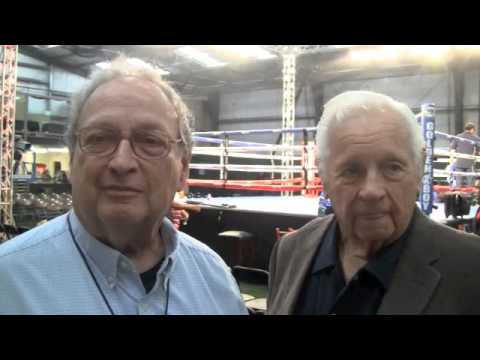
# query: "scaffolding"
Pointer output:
{"type": "Point", "coordinates": [289, 55]}
{"type": "Point", "coordinates": [288, 112]}
{"type": "Point", "coordinates": [8, 72]}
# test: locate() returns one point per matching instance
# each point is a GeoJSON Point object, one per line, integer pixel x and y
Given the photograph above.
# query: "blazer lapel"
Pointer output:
{"type": "Point", "coordinates": [302, 256]}
{"type": "Point", "coordinates": [415, 279]}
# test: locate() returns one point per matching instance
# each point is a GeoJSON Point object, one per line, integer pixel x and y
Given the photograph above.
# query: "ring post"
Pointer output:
{"type": "Point", "coordinates": [428, 132]}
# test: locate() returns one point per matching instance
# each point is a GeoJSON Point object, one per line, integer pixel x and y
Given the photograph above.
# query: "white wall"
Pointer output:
{"type": "Point", "coordinates": [472, 98]}
{"type": "Point", "coordinates": [202, 120]}
{"type": "Point", "coordinates": [412, 90]}
{"type": "Point", "coordinates": [45, 82]}
{"type": "Point", "coordinates": [261, 110]}
{"type": "Point", "coordinates": [64, 81]}
{"type": "Point", "coordinates": [471, 88]}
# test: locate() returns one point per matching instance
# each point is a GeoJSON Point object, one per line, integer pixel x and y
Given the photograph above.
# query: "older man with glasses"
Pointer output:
{"type": "Point", "coordinates": [116, 252]}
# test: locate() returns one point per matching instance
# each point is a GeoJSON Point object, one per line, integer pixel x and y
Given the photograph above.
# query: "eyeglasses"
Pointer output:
{"type": "Point", "coordinates": [150, 144]}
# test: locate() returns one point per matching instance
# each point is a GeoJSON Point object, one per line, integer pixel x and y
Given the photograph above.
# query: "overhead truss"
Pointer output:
{"type": "Point", "coordinates": [8, 73]}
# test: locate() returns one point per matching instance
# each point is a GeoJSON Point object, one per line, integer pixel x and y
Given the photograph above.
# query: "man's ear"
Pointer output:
{"type": "Point", "coordinates": [184, 172]}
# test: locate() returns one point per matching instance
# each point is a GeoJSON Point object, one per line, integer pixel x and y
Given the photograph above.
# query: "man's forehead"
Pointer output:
{"type": "Point", "coordinates": [388, 134]}
{"type": "Point", "coordinates": [128, 92]}
{"type": "Point", "coordinates": [129, 86]}
{"type": "Point", "coordinates": [370, 123]}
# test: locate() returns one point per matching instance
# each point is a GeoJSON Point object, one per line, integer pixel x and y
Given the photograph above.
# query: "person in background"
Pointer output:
{"type": "Point", "coordinates": [468, 148]}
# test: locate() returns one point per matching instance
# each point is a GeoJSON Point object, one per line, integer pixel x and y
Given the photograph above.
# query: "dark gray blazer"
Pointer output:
{"type": "Point", "coordinates": [438, 271]}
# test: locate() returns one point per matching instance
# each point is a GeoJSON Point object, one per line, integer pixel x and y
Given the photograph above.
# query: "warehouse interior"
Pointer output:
{"type": "Point", "coordinates": [230, 87]}
{"type": "Point", "coordinates": [242, 92]}
{"type": "Point", "coordinates": [227, 88]}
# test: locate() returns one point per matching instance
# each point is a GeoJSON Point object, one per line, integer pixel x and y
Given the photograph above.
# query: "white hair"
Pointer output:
{"type": "Point", "coordinates": [354, 103]}
{"type": "Point", "coordinates": [122, 67]}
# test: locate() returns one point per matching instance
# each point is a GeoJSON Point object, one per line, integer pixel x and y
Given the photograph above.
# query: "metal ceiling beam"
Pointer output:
{"type": "Point", "coordinates": [40, 55]}
{"type": "Point", "coordinates": [32, 66]}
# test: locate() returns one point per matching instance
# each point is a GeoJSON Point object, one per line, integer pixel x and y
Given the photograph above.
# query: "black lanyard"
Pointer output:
{"type": "Point", "coordinates": [88, 267]}
{"type": "Point", "coordinates": [95, 279]}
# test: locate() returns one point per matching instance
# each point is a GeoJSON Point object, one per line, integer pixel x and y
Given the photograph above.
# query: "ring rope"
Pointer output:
{"type": "Point", "coordinates": [254, 131]}
{"type": "Point", "coordinates": [450, 137]}
{"type": "Point", "coordinates": [249, 168]}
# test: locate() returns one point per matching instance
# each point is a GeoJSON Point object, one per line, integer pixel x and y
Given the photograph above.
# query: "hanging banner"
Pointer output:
{"type": "Point", "coordinates": [428, 130]}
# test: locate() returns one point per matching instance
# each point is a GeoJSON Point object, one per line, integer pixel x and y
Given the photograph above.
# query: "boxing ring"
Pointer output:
{"type": "Point", "coordinates": [245, 191]}
{"type": "Point", "coordinates": [299, 205]}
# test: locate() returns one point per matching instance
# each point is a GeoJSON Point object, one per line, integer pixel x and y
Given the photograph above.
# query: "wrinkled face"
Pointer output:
{"type": "Point", "coordinates": [371, 177]}
{"type": "Point", "coordinates": [123, 188]}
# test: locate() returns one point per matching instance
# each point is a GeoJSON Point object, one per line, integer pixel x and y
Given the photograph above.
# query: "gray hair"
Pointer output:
{"type": "Point", "coordinates": [352, 103]}
{"type": "Point", "coordinates": [128, 67]}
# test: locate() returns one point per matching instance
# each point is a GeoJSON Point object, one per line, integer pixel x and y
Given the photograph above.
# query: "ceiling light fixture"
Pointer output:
{"type": "Point", "coordinates": [200, 56]}
{"type": "Point", "coordinates": [430, 51]}
{"type": "Point", "coordinates": [248, 51]}
{"type": "Point", "coordinates": [384, 53]}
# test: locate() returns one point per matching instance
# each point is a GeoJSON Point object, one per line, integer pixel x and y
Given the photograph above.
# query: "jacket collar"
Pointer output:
{"type": "Point", "coordinates": [415, 279]}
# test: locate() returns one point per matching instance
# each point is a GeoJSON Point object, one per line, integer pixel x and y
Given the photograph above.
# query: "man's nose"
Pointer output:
{"type": "Point", "coordinates": [373, 186]}
{"type": "Point", "coordinates": [123, 159]}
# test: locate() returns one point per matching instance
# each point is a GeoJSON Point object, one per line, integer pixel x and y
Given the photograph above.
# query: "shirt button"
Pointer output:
{"type": "Point", "coordinates": [111, 282]}
{"type": "Point", "coordinates": [124, 265]}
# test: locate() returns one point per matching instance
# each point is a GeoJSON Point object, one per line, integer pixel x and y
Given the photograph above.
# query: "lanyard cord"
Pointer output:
{"type": "Point", "coordinates": [95, 279]}
{"type": "Point", "coordinates": [168, 297]}
{"type": "Point", "coordinates": [88, 267]}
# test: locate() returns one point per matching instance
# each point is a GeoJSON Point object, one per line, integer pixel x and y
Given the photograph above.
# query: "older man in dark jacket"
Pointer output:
{"type": "Point", "coordinates": [378, 253]}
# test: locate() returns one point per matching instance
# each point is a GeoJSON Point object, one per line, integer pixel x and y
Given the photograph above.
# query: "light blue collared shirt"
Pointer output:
{"type": "Point", "coordinates": [42, 272]}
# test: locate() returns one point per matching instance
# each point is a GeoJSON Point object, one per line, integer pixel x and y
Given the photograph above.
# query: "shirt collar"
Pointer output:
{"type": "Point", "coordinates": [327, 253]}
{"type": "Point", "coordinates": [382, 266]}
{"type": "Point", "coordinates": [171, 236]}
{"type": "Point", "coordinates": [108, 259]}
